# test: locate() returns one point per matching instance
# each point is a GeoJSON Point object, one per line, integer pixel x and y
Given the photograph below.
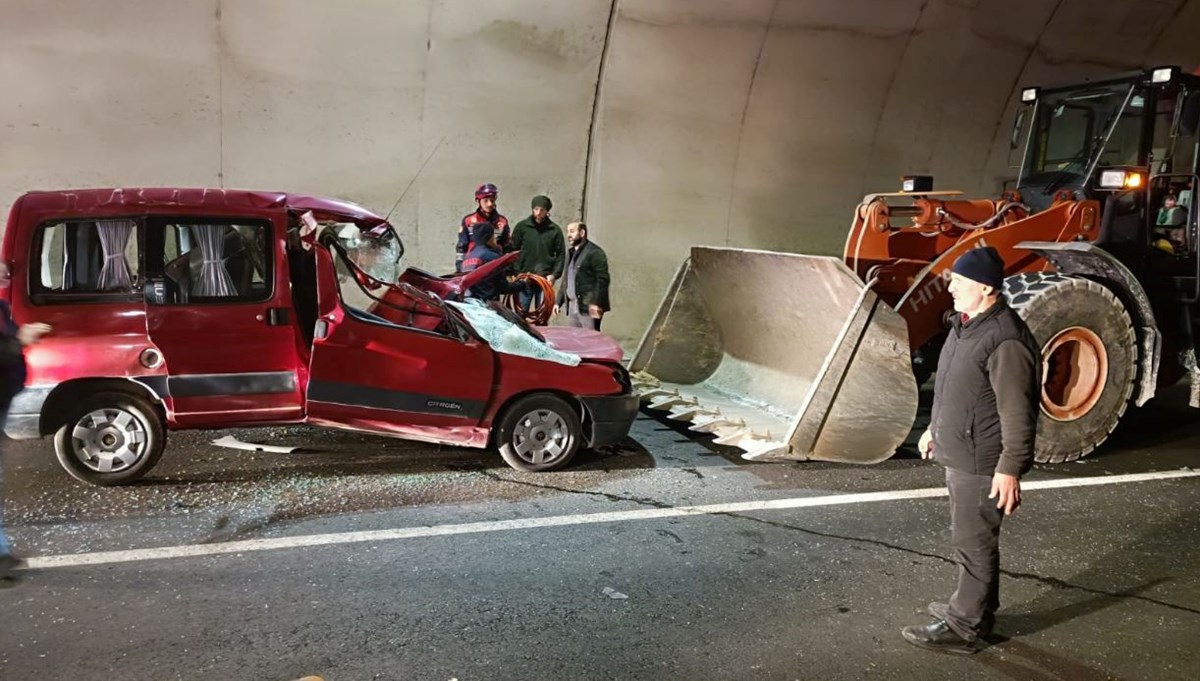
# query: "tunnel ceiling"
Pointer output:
{"type": "Point", "coordinates": [758, 123]}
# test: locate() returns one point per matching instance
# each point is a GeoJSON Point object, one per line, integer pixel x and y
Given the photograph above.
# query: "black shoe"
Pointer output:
{"type": "Point", "coordinates": [938, 636]}
{"type": "Point", "coordinates": [10, 562]}
{"type": "Point", "coordinates": [939, 610]}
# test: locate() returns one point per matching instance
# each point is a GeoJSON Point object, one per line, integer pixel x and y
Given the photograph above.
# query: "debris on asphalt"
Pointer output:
{"type": "Point", "coordinates": [234, 443]}
{"type": "Point", "coordinates": [614, 594]}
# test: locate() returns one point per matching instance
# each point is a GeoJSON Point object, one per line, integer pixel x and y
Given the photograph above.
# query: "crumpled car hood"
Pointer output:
{"type": "Point", "coordinates": [586, 343]}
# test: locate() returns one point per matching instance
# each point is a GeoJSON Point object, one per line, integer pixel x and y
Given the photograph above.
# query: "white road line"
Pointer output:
{"type": "Point", "coordinates": [250, 545]}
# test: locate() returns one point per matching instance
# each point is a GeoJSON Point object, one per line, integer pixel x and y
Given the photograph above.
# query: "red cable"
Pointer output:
{"type": "Point", "coordinates": [540, 315]}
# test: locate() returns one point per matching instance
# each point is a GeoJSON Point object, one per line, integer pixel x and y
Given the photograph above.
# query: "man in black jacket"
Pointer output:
{"type": "Point", "coordinates": [13, 340]}
{"type": "Point", "coordinates": [985, 406]}
{"type": "Point", "coordinates": [583, 297]}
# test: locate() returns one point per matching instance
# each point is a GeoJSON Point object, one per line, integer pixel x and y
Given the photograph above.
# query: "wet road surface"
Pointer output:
{"type": "Point", "coordinates": [1100, 582]}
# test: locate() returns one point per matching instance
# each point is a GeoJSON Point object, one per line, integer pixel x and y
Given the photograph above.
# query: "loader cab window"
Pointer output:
{"type": "Point", "coordinates": [1175, 132]}
{"type": "Point", "coordinates": [1174, 186]}
{"type": "Point", "coordinates": [1073, 131]}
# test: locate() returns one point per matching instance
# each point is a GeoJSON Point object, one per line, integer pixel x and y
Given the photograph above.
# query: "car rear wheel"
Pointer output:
{"type": "Point", "coordinates": [539, 432]}
{"type": "Point", "coordinates": [110, 439]}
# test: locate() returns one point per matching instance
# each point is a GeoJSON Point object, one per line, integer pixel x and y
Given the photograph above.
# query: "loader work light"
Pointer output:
{"type": "Point", "coordinates": [1121, 179]}
{"type": "Point", "coordinates": [1162, 75]}
{"type": "Point", "coordinates": [916, 183]}
{"type": "Point", "coordinates": [1029, 95]}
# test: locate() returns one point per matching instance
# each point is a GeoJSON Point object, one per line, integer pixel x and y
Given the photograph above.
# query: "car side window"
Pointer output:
{"type": "Point", "coordinates": [84, 259]}
{"type": "Point", "coordinates": [213, 261]}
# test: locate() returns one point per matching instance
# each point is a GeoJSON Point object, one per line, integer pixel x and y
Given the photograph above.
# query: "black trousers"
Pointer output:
{"type": "Point", "coordinates": [975, 537]}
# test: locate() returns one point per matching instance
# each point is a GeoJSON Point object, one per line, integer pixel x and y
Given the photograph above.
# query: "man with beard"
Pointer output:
{"type": "Point", "coordinates": [541, 247]}
{"type": "Point", "coordinates": [583, 297]}
{"type": "Point", "coordinates": [485, 211]}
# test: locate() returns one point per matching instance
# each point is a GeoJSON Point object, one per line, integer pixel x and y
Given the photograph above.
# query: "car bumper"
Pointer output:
{"type": "Point", "coordinates": [24, 420]}
{"type": "Point", "coordinates": [610, 418]}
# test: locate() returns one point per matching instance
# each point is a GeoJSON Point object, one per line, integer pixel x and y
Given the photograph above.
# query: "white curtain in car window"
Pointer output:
{"type": "Point", "coordinates": [115, 273]}
{"type": "Point", "coordinates": [215, 279]}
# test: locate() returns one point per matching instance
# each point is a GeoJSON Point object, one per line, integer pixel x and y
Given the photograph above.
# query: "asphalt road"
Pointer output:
{"type": "Point", "coordinates": [480, 572]}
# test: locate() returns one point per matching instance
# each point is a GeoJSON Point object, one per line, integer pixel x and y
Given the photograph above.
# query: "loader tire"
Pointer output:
{"type": "Point", "coordinates": [1089, 359]}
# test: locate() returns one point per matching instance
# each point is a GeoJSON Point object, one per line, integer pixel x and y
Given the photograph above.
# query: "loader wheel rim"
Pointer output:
{"type": "Point", "coordinates": [541, 437]}
{"type": "Point", "coordinates": [1074, 373]}
{"type": "Point", "coordinates": [109, 440]}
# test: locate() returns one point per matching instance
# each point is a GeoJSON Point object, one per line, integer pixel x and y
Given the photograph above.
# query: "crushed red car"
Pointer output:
{"type": "Point", "coordinates": [209, 308]}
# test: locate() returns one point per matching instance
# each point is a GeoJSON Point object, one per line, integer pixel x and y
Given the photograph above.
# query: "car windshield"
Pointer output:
{"type": "Point", "coordinates": [376, 252]}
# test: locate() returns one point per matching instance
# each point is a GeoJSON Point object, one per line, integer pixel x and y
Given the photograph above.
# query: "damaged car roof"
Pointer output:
{"type": "Point", "coordinates": [109, 199]}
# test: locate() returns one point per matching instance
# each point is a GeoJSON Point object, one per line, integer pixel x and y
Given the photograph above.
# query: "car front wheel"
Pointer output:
{"type": "Point", "coordinates": [110, 439]}
{"type": "Point", "coordinates": [539, 432]}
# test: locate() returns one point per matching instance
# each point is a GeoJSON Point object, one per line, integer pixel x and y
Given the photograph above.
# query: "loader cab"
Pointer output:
{"type": "Point", "coordinates": [1131, 143]}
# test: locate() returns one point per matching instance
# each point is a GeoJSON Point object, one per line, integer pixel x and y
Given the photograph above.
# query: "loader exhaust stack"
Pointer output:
{"type": "Point", "coordinates": [785, 356]}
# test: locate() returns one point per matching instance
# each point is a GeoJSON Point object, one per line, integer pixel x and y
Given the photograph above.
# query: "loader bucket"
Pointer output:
{"type": "Point", "coordinates": [785, 356]}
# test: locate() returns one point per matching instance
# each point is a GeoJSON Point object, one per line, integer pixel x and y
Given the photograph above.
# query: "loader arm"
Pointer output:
{"type": "Point", "coordinates": [912, 262]}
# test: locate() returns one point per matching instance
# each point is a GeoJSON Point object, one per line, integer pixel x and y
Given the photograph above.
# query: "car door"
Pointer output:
{"type": "Point", "coordinates": [371, 374]}
{"type": "Point", "coordinates": [219, 312]}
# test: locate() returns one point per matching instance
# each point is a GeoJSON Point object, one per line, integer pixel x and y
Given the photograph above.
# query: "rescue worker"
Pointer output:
{"type": "Point", "coordinates": [486, 250]}
{"type": "Point", "coordinates": [485, 211]}
{"type": "Point", "coordinates": [542, 248]}
{"type": "Point", "coordinates": [985, 407]}
{"type": "Point", "coordinates": [13, 340]}
{"type": "Point", "coordinates": [583, 297]}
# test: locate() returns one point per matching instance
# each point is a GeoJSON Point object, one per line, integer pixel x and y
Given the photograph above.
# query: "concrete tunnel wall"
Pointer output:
{"type": "Point", "coordinates": [664, 123]}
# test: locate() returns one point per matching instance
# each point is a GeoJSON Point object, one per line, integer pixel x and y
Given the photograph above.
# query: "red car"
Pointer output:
{"type": "Point", "coordinates": [209, 308]}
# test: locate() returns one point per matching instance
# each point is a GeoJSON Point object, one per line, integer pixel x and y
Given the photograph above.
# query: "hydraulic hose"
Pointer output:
{"type": "Point", "coordinates": [536, 315]}
{"type": "Point", "coordinates": [990, 222]}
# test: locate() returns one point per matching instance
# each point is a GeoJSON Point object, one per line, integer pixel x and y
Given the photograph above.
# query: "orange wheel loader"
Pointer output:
{"type": "Point", "coordinates": [801, 357]}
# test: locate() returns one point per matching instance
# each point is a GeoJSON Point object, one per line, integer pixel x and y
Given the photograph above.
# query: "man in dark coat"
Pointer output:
{"type": "Point", "coordinates": [543, 250]}
{"type": "Point", "coordinates": [982, 430]}
{"type": "Point", "coordinates": [583, 297]}
{"type": "Point", "coordinates": [13, 340]}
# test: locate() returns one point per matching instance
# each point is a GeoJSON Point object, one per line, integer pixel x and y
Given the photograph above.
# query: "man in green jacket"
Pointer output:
{"type": "Point", "coordinates": [542, 248]}
{"type": "Point", "coordinates": [583, 297]}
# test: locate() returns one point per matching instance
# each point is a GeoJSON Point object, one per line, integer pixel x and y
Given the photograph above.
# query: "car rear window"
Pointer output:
{"type": "Point", "coordinates": [86, 258]}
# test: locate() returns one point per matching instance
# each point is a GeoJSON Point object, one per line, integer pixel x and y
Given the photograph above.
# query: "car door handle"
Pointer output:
{"type": "Point", "coordinates": [277, 316]}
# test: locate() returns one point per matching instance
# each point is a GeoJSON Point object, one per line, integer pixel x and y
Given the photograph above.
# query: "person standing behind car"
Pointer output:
{"type": "Point", "coordinates": [984, 420]}
{"type": "Point", "coordinates": [12, 381]}
{"type": "Point", "coordinates": [542, 248]}
{"type": "Point", "coordinates": [583, 297]}
{"type": "Point", "coordinates": [486, 250]}
{"type": "Point", "coordinates": [485, 211]}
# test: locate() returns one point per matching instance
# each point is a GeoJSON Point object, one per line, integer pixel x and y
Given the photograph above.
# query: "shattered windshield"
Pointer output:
{"type": "Point", "coordinates": [505, 333]}
{"type": "Point", "coordinates": [376, 252]}
{"type": "Point", "coordinates": [1072, 129]}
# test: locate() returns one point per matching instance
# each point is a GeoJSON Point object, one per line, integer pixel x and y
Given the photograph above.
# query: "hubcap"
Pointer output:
{"type": "Point", "coordinates": [1074, 371]}
{"type": "Point", "coordinates": [541, 436]}
{"type": "Point", "coordinates": [109, 440]}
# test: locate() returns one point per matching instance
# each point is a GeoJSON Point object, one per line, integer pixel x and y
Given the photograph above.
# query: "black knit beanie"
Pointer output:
{"type": "Point", "coordinates": [983, 265]}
